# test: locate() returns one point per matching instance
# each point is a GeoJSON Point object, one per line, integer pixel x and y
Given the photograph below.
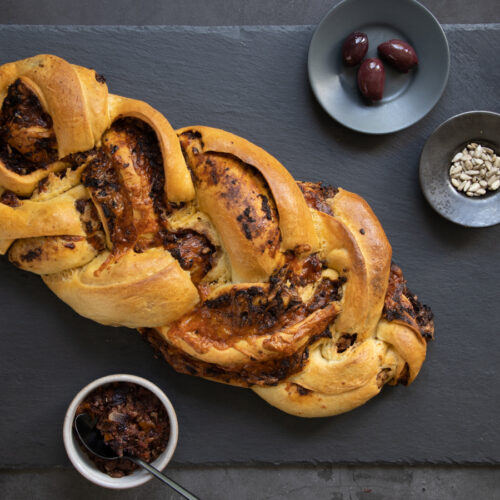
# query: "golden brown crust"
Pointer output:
{"type": "Point", "coordinates": [289, 398]}
{"type": "Point", "coordinates": [408, 343]}
{"type": "Point", "coordinates": [204, 241]}
{"type": "Point", "coordinates": [254, 347]}
{"type": "Point", "coordinates": [51, 254]}
{"type": "Point", "coordinates": [63, 90]}
{"type": "Point", "coordinates": [49, 218]}
{"type": "Point", "coordinates": [24, 185]}
{"type": "Point", "coordinates": [287, 195]}
{"type": "Point", "coordinates": [370, 262]}
{"type": "Point", "coordinates": [241, 208]}
{"type": "Point", "coordinates": [142, 289]}
{"type": "Point", "coordinates": [178, 184]}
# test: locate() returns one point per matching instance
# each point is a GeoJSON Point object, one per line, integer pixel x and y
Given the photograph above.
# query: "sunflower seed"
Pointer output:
{"type": "Point", "coordinates": [475, 169]}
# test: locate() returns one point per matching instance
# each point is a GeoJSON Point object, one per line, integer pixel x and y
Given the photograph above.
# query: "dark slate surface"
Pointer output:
{"type": "Point", "coordinates": [253, 82]}
{"type": "Point", "coordinates": [214, 12]}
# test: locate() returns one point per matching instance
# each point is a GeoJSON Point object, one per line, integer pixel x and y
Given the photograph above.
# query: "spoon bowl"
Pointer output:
{"type": "Point", "coordinates": [90, 436]}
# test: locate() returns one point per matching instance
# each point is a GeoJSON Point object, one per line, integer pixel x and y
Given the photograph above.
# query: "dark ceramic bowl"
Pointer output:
{"type": "Point", "coordinates": [408, 97]}
{"type": "Point", "coordinates": [448, 139]}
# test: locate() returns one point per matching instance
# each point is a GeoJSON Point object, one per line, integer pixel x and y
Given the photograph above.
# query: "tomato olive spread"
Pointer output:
{"type": "Point", "coordinates": [132, 421]}
{"type": "Point", "coordinates": [91, 223]}
{"type": "Point", "coordinates": [126, 181]}
{"type": "Point", "coordinates": [249, 312]}
{"type": "Point", "coordinates": [262, 309]}
{"type": "Point", "coordinates": [193, 251]}
{"type": "Point", "coordinates": [401, 304]}
{"type": "Point", "coordinates": [27, 138]}
{"type": "Point", "coordinates": [265, 373]}
{"type": "Point", "coordinates": [10, 199]}
{"type": "Point", "coordinates": [103, 181]}
{"type": "Point", "coordinates": [318, 196]}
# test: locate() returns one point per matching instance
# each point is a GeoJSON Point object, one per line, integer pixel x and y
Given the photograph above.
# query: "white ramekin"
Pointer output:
{"type": "Point", "coordinates": [86, 467]}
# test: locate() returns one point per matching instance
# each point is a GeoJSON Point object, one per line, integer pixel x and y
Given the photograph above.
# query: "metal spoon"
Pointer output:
{"type": "Point", "coordinates": [91, 438]}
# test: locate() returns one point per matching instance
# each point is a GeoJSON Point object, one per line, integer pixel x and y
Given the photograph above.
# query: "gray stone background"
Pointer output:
{"type": "Point", "coordinates": [256, 482]}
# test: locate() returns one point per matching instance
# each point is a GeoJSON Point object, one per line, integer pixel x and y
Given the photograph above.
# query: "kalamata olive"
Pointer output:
{"type": "Point", "coordinates": [354, 48]}
{"type": "Point", "coordinates": [399, 54]}
{"type": "Point", "coordinates": [371, 79]}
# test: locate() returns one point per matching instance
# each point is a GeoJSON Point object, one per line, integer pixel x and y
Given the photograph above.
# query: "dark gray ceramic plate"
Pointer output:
{"type": "Point", "coordinates": [448, 139]}
{"type": "Point", "coordinates": [407, 97]}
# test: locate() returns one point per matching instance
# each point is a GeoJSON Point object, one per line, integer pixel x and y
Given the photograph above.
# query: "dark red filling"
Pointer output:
{"type": "Point", "coordinates": [27, 139]}
{"type": "Point", "coordinates": [132, 421]}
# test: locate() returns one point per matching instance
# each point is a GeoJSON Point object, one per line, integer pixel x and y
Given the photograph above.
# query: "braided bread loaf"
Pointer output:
{"type": "Point", "coordinates": [204, 242]}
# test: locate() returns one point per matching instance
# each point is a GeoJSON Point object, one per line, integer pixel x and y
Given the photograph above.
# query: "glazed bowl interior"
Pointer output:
{"type": "Point", "coordinates": [408, 97]}
{"type": "Point", "coordinates": [82, 462]}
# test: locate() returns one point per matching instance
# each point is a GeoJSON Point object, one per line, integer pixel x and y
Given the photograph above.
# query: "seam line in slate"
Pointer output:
{"type": "Point", "coordinates": [487, 462]}
{"type": "Point", "coordinates": [372, 465]}
{"type": "Point", "coordinates": [213, 29]}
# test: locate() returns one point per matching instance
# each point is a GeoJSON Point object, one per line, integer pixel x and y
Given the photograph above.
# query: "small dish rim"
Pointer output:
{"type": "Point", "coordinates": [320, 100]}
{"type": "Point", "coordinates": [424, 181]}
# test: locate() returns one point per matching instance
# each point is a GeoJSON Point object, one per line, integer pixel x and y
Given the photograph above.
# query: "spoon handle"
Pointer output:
{"type": "Point", "coordinates": [177, 487]}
